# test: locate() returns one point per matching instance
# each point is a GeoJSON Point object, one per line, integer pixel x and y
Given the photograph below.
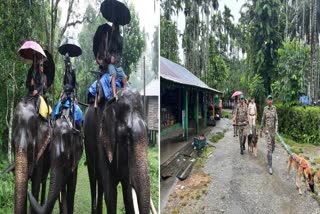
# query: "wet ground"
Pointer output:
{"type": "Point", "coordinates": [241, 183]}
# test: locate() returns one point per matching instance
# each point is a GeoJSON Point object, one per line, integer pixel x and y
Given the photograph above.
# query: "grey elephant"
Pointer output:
{"type": "Point", "coordinates": [65, 153]}
{"type": "Point", "coordinates": [31, 140]}
{"type": "Point", "coordinates": [116, 147]}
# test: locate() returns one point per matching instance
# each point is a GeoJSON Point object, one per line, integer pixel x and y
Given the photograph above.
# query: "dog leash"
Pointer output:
{"type": "Point", "coordinates": [287, 148]}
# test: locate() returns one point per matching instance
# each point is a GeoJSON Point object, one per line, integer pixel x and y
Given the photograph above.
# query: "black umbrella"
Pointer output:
{"type": "Point", "coordinates": [49, 68]}
{"type": "Point", "coordinates": [115, 12]}
{"type": "Point", "coordinates": [70, 46]}
{"type": "Point", "coordinates": [99, 38]}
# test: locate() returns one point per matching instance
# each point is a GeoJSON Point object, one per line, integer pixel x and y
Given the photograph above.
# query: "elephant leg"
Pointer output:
{"type": "Point", "coordinates": [127, 196]}
{"type": "Point", "coordinates": [63, 201]}
{"type": "Point", "coordinates": [43, 191]}
{"type": "Point", "coordinates": [71, 189]}
{"type": "Point", "coordinates": [92, 180]}
{"type": "Point", "coordinates": [36, 181]}
{"type": "Point", "coordinates": [100, 194]}
{"type": "Point", "coordinates": [111, 196]}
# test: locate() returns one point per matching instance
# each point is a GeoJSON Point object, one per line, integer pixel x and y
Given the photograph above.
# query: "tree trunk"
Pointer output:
{"type": "Point", "coordinates": [9, 116]}
{"type": "Point", "coordinates": [314, 59]}
{"type": "Point", "coordinates": [296, 19]}
{"type": "Point", "coordinates": [310, 88]}
{"type": "Point", "coordinates": [287, 21]}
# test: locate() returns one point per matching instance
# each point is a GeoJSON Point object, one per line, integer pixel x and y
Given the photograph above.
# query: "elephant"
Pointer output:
{"type": "Point", "coordinates": [65, 153]}
{"type": "Point", "coordinates": [30, 141]}
{"type": "Point", "coordinates": [117, 148]}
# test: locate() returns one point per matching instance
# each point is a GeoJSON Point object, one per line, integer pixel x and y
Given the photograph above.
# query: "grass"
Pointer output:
{"type": "Point", "coordinates": [316, 161]}
{"type": "Point", "coordinates": [82, 196]}
{"type": "Point", "coordinates": [294, 146]}
{"type": "Point", "coordinates": [226, 114]}
{"type": "Point", "coordinates": [215, 138]}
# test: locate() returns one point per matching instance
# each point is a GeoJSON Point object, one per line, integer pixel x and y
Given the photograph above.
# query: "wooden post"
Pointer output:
{"type": "Point", "coordinates": [196, 111]}
{"type": "Point", "coordinates": [205, 105]}
{"type": "Point", "coordinates": [185, 104]}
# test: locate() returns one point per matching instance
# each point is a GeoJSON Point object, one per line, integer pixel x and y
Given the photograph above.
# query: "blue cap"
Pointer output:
{"type": "Point", "coordinates": [269, 97]}
{"type": "Point", "coordinates": [241, 96]}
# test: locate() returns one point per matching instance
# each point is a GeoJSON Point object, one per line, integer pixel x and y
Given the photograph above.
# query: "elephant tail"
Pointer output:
{"type": "Point", "coordinates": [35, 205]}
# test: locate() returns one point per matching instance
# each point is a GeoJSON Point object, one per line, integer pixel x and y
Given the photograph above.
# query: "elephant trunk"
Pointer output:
{"type": "Point", "coordinates": [21, 179]}
{"type": "Point", "coordinates": [141, 182]}
{"type": "Point", "coordinates": [56, 181]}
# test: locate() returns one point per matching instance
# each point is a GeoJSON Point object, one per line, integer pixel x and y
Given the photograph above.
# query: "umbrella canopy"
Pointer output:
{"type": "Point", "coordinates": [237, 93]}
{"type": "Point", "coordinates": [115, 12]}
{"type": "Point", "coordinates": [70, 46]}
{"type": "Point", "coordinates": [49, 68]}
{"type": "Point", "coordinates": [99, 37]}
{"type": "Point", "coordinates": [28, 49]}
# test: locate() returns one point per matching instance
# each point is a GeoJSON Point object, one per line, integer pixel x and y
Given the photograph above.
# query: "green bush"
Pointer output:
{"type": "Point", "coordinates": [6, 190]}
{"type": "Point", "coordinates": [299, 123]}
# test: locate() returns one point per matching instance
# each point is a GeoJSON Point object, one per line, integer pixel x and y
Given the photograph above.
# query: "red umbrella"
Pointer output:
{"type": "Point", "coordinates": [237, 93]}
{"type": "Point", "coordinates": [28, 49]}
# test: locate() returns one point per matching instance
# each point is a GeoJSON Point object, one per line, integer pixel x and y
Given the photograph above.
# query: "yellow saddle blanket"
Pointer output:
{"type": "Point", "coordinates": [44, 109]}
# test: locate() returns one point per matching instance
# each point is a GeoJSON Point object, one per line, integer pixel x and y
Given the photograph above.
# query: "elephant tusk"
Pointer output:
{"type": "Point", "coordinates": [135, 201]}
{"type": "Point", "coordinates": [153, 209]}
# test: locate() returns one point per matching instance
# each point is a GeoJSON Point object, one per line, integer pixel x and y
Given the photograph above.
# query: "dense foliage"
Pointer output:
{"type": "Point", "coordinates": [300, 123]}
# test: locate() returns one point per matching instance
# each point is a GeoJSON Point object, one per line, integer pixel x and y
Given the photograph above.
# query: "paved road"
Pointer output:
{"type": "Point", "coordinates": [241, 184]}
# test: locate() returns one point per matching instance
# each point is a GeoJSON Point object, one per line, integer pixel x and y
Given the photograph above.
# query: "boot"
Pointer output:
{"type": "Point", "coordinates": [241, 148]}
{"type": "Point", "coordinates": [270, 163]}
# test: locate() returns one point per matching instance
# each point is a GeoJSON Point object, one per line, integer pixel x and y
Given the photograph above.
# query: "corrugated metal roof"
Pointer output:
{"type": "Point", "coordinates": [179, 74]}
{"type": "Point", "coordinates": [152, 88]}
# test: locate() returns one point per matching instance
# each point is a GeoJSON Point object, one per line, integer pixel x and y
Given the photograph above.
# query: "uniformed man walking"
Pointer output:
{"type": "Point", "coordinates": [234, 108]}
{"type": "Point", "coordinates": [269, 122]}
{"type": "Point", "coordinates": [241, 120]}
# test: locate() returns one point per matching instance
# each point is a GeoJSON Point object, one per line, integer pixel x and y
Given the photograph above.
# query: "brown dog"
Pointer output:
{"type": "Point", "coordinates": [253, 141]}
{"type": "Point", "coordinates": [302, 169]}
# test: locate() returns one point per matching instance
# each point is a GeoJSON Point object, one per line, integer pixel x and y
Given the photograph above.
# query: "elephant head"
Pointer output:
{"type": "Point", "coordinates": [25, 132]}
{"type": "Point", "coordinates": [65, 153]}
{"type": "Point", "coordinates": [123, 135]}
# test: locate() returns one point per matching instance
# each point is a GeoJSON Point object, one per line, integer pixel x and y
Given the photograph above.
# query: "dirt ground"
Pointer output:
{"type": "Point", "coordinates": [227, 182]}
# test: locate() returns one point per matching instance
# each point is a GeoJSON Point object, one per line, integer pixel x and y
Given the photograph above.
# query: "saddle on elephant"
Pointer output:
{"type": "Point", "coordinates": [45, 110]}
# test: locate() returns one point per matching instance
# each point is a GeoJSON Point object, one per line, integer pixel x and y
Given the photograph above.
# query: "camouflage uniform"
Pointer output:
{"type": "Point", "coordinates": [234, 109]}
{"type": "Point", "coordinates": [270, 122]}
{"type": "Point", "coordinates": [242, 117]}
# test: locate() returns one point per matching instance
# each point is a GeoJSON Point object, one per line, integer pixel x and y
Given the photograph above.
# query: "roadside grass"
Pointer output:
{"type": "Point", "coordinates": [294, 146]}
{"type": "Point", "coordinates": [226, 114]}
{"type": "Point", "coordinates": [215, 138]}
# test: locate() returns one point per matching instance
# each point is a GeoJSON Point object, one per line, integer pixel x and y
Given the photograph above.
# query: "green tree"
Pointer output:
{"type": "Point", "coordinates": [169, 40]}
{"type": "Point", "coordinates": [292, 69]}
{"type": "Point", "coordinates": [262, 23]}
{"type": "Point", "coordinates": [134, 43]}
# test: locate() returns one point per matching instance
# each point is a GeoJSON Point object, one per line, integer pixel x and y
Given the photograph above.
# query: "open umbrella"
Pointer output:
{"type": "Point", "coordinates": [48, 69]}
{"type": "Point", "coordinates": [70, 46]}
{"type": "Point", "coordinates": [29, 49]}
{"type": "Point", "coordinates": [99, 38]}
{"type": "Point", "coordinates": [115, 12]}
{"type": "Point", "coordinates": [237, 93]}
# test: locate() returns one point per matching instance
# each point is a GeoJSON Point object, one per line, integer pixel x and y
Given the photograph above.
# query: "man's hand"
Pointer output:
{"type": "Point", "coordinates": [34, 92]}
